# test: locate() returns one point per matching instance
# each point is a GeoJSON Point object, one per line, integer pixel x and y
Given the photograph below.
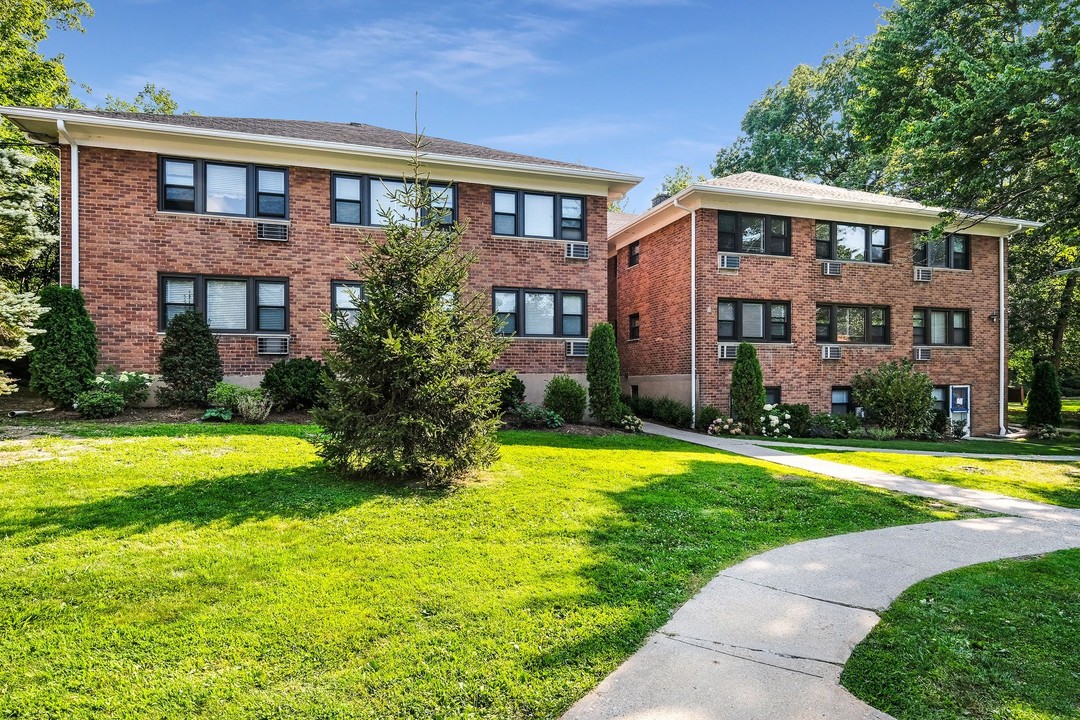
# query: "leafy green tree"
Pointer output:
{"type": "Point", "coordinates": [680, 179]}
{"type": "Point", "coordinates": [18, 311]}
{"type": "Point", "coordinates": [190, 363]}
{"type": "Point", "coordinates": [799, 129]}
{"type": "Point", "coordinates": [1044, 401]}
{"type": "Point", "coordinates": [895, 397]}
{"type": "Point", "coordinates": [151, 99]}
{"type": "Point", "coordinates": [602, 375]}
{"type": "Point", "coordinates": [747, 387]}
{"type": "Point", "coordinates": [65, 355]}
{"type": "Point", "coordinates": [411, 394]}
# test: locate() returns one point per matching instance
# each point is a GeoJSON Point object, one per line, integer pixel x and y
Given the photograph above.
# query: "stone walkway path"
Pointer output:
{"type": "Point", "coordinates": [779, 444]}
{"type": "Point", "coordinates": [767, 638]}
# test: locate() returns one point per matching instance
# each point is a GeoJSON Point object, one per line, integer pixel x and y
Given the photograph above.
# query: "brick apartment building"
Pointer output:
{"type": "Point", "coordinates": [824, 281]}
{"type": "Point", "coordinates": [253, 222]}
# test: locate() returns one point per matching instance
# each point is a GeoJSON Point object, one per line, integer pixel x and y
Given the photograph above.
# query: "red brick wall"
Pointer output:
{"type": "Point", "coordinates": [125, 242]}
{"type": "Point", "coordinates": [797, 367]}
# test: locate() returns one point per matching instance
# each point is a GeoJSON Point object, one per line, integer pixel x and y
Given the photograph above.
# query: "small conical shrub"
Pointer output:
{"type": "Point", "coordinates": [602, 374]}
{"type": "Point", "coordinates": [1044, 400]}
{"type": "Point", "coordinates": [747, 387]}
{"type": "Point", "coordinates": [65, 354]}
{"type": "Point", "coordinates": [190, 363]}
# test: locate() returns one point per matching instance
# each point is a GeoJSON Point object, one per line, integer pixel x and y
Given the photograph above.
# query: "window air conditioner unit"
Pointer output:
{"type": "Point", "coordinates": [272, 231]}
{"type": "Point", "coordinates": [922, 354]}
{"type": "Point", "coordinates": [830, 352]}
{"type": "Point", "coordinates": [577, 348]}
{"type": "Point", "coordinates": [729, 262]}
{"type": "Point", "coordinates": [273, 345]}
{"type": "Point", "coordinates": [924, 274]}
{"type": "Point", "coordinates": [727, 351]}
{"type": "Point", "coordinates": [831, 268]}
{"type": "Point", "coordinates": [577, 251]}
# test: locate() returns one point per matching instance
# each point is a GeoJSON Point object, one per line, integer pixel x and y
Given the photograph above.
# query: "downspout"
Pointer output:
{"type": "Point", "coordinates": [693, 311]}
{"type": "Point", "coordinates": [1003, 370]}
{"type": "Point", "coordinates": [62, 130]}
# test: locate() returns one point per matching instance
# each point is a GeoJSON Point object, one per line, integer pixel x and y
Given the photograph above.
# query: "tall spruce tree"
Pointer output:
{"type": "Point", "coordinates": [412, 394]}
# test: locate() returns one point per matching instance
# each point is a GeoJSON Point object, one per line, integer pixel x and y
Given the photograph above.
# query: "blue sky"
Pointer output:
{"type": "Point", "coordinates": [638, 86]}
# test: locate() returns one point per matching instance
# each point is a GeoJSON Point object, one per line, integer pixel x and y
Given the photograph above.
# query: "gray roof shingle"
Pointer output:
{"type": "Point", "coordinates": [775, 184]}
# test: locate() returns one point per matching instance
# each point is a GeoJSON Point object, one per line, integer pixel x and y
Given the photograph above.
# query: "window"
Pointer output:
{"type": "Point", "coordinates": [345, 298]}
{"type": "Point", "coordinates": [940, 394]}
{"type": "Point", "coordinates": [543, 313]}
{"type": "Point", "coordinates": [842, 403]}
{"type": "Point", "coordinates": [949, 251]}
{"type": "Point", "coordinates": [772, 396]}
{"type": "Point", "coordinates": [753, 321]}
{"type": "Point", "coordinates": [633, 254]}
{"type": "Point", "coordinates": [756, 234]}
{"type": "Point", "coordinates": [542, 215]}
{"type": "Point", "coordinates": [931, 326]}
{"type": "Point", "coordinates": [201, 186]}
{"type": "Point", "coordinates": [852, 324]}
{"type": "Point", "coordinates": [634, 392]}
{"type": "Point", "coordinates": [635, 326]}
{"type": "Point", "coordinates": [366, 200]}
{"type": "Point", "coordinates": [229, 304]}
{"type": "Point", "coordinates": [854, 243]}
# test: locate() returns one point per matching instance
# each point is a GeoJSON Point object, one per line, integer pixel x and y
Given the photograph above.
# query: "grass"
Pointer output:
{"type": "Point", "coordinates": [990, 642]}
{"type": "Point", "coordinates": [219, 572]}
{"type": "Point", "coordinates": [1057, 483]}
{"type": "Point", "coordinates": [1070, 413]}
{"type": "Point", "coordinates": [1067, 445]}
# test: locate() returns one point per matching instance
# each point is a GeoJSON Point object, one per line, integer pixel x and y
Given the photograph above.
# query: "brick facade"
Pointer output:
{"type": "Point", "coordinates": [125, 242]}
{"type": "Point", "coordinates": [658, 288]}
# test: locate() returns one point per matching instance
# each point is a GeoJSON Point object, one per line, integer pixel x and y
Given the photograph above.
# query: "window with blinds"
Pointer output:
{"type": "Point", "coordinates": [229, 304]}
{"type": "Point", "coordinates": [202, 186]}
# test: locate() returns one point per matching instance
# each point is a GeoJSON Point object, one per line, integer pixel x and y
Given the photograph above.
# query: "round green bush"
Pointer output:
{"type": "Point", "coordinates": [296, 384]}
{"type": "Point", "coordinates": [706, 416]}
{"type": "Point", "coordinates": [513, 393]}
{"type": "Point", "coordinates": [190, 363]}
{"type": "Point", "coordinates": [65, 355]}
{"type": "Point", "coordinates": [99, 404]}
{"type": "Point", "coordinates": [567, 397]}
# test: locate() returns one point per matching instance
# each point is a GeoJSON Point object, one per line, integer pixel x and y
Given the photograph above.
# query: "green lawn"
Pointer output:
{"type": "Point", "coordinates": [990, 642]}
{"type": "Point", "coordinates": [1066, 445]}
{"type": "Point", "coordinates": [1070, 413]}
{"type": "Point", "coordinates": [219, 572]}
{"type": "Point", "coordinates": [1052, 482]}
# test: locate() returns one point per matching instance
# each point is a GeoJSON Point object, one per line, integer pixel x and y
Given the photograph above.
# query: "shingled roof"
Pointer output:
{"type": "Point", "coordinates": [760, 182]}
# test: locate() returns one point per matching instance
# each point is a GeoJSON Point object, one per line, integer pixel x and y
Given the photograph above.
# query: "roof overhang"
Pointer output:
{"type": "Point", "coordinates": [126, 134]}
{"type": "Point", "coordinates": [711, 197]}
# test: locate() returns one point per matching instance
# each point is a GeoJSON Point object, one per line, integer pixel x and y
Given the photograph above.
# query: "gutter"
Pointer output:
{"type": "Point", "coordinates": [693, 311]}
{"type": "Point", "coordinates": [62, 130]}
{"type": "Point", "coordinates": [1003, 370]}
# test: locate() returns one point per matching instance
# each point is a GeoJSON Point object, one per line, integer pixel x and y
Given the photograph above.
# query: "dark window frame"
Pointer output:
{"type": "Point", "coordinates": [922, 251]}
{"type": "Point", "coordinates": [849, 406]}
{"type": "Point", "coordinates": [367, 205]}
{"type": "Point", "coordinates": [776, 389]}
{"type": "Point", "coordinates": [950, 327]}
{"type": "Point", "coordinates": [768, 236]}
{"type": "Point", "coordinates": [251, 311]}
{"type": "Point", "coordinates": [868, 338]}
{"type": "Point", "coordinates": [334, 285]}
{"type": "Point", "coordinates": [199, 180]}
{"type": "Point", "coordinates": [868, 248]}
{"type": "Point", "coordinates": [767, 321]}
{"type": "Point", "coordinates": [557, 218]}
{"type": "Point", "coordinates": [633, 254]}
{"type": "Point", "coordinates": [519, 330]}
{"type": "Point", "coordinates": [633, 325]}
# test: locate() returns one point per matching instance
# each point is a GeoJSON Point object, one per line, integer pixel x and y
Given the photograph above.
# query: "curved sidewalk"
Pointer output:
{"type": "Point", "coordinates": [767, 638]}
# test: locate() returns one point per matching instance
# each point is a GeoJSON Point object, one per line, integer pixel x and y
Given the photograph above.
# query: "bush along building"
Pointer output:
{"type": "Point", "coordinates": [252, 223]}
{"type": "Point", "coordinates": [823, 281]}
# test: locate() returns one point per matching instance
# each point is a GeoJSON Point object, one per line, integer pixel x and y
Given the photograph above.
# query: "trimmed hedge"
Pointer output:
{"type": "Point", "coordinates": [567, 397]}
{"type": "Point", "coordinates": [295, 384]}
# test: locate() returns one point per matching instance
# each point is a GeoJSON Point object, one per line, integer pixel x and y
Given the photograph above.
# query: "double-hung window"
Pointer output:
{"type": "Point", "coordinates": [949, 251]}
{"type": "Point", "coordinates": [634, 325]}
{"type": "Point", "coordinates": [753, 321]}
{"type": "Point", "coordinates": [854, 243]}
{"type": "Point", "coordinates": [933, 326]}
{"type": "Point", "coordinates": [345, 299]}
{"type": "Point", "coordinates": [756, 234]}
{"type": "Point", "coordinates": [540, 215]}
{"type": "Point", "coordinates": [842, 401]}
{"type": "Point", "coordinates": [218, 188]}
{"type": "Point", "coordinates": [369, 201]}
{"type": "Point", "coordinates": [540, 313]}
{"type": "Point", "coordinates": [853, 324]}
{"type": "Point", "coordinates": [229, 304]}
{"type": "Point", "coordinates": [633, 253]}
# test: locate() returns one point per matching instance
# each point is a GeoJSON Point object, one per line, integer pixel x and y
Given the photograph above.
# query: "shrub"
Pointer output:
{"type": "Point", "coordinates": [190, 364]}
{"type": "Point", "coordinates": [99, 404]}
{"type": "Point", "coordinates": [825, 425]}
{"type": "Point", "coordinates": [774, 421]}
{"type": "Point", "coordinates": [673, 412]}
{"type": "Point", "coordinates": [1043, 432]}
{"type": "Point", "coordinates": [877, 433]}
{"type": "Point", "coordinates": [65, 354]}
{"type": "Point", "coordinates": [567, 397]}
{"type": "Point", "coordinates": [641, 406]}
{"type": "Point", "coordinates": [295, 384]}
{"type": "Point", "coordinates": [958, 428]}
{"type": "Point", "coordinates": [747, 387]}
{"type": "Point", "coordinates": [224, 395]}
{"type": "Point", "coordinates": [726, 426]}
{"type": "Point", "coordinates": [529, 415]}
{"type": "Point", "coordinates": [1044, 401]}
{"type": "Point", "coordinates": [218, 414]}
{"type": "Point", "coordinates": [513, 393]}
{"type": "Point", "coordinates": [895, 396]}
{"type": "Point", "coordinates": [134, 387]}
{"type": "Point", "coordinates": [939, 422]}
{"type": "Point", "coordinates": [602, 374]}
{"type": "Point", "coordinates": [630, 423]}
{"type": "Point", "coordinates": [253, 406]}
{"type": "Point", "coordinates": [706, 415]}
{"type": "Point", "coordinates": [799, 418]}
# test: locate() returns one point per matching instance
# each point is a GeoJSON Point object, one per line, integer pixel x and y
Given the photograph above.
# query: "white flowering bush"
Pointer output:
{"type": "Point", "coordinates": [775, 422]}
{"type": "Point", "coordinates": [630, 423]}
{"type": "Point", "coordinates": [134, 387]}
{"type": "Point", "coordinates": [726, 426]}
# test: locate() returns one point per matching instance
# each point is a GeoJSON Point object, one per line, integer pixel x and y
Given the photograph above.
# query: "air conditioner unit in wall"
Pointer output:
{"type": "Point", "coordinates": [577, 251]}
{"type": "Point", "coordinates": [831, 268]}
{"type": "Point", "coordinates": [922, 354]}
{"type": "Point", "coordinates": [728, 262]}
{"type": "Point", "coordinates": [830, 352]}
{"type": "Point", "coordinates": [272, 231]}
{"type": "Point", "coordinates": [577, 348]}
{"type": "Point", "coordinates": [272, 345]}
{"type": "Point", "coordinates": [727, 351]}
{"type": "Point", "coordinates": [924, 274]}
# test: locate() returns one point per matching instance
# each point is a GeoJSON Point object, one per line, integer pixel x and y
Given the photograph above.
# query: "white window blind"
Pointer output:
{"type": "Point", "coordinates": [539, 215]}
{"type": "Point", "coordinates": [382, 191]}
{"type": "Point", "coordinates": [226, 189]}
{"type": "Point", "coordinates": [539, 313]}
{"type": "Point", "coordinates": [226, 304]}
{"type": "Point", "coordinates": [753, 320]}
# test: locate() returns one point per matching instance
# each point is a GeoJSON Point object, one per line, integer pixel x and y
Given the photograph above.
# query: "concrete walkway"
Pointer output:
{"type": "Point", "coordinates": [932, 453]}
{"type": "Point", "coordinates": [767, 638]}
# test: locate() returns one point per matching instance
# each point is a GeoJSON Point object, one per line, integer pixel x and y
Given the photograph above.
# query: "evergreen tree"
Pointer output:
{"type": "Point", "coordinates": [747, 387]}
{"type": "Point", "coordinates": [190, 363]}
{"type": "Point", "coordinates": [411, 393]}
{"type": "Point", "coordinates": [18, 311]}
{"type": "Point", "coordinates": [602, 374]}
{"type": "Point", "coordinates": [65, 357]}
{"type": "Point", "coordinates": [1044, 401]}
